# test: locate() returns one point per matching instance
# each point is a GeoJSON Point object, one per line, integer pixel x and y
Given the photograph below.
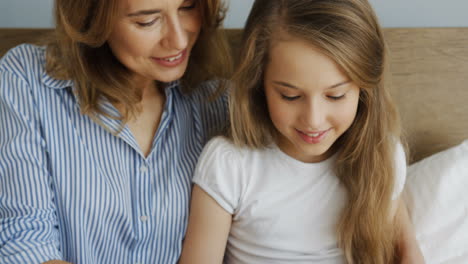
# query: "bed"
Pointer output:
{"type": "Point", "coordinates": [429, 68]}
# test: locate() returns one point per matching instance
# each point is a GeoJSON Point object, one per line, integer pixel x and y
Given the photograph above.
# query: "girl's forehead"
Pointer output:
{"type": "Point", "coordinates": [298, 61]}
{"type": "Point", "coordinates": [284, 38]}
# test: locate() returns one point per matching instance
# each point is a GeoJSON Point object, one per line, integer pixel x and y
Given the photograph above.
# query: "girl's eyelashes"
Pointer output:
{"type": "Point", "coordinates": [289, 98]}
{"type": "Point", "coordinates": [336, 98]}
{"type": "Point", "coordinates": [292, 98]}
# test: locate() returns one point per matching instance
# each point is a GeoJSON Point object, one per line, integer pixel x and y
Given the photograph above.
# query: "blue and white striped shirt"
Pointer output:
{"type": "Point", "coordinates": [71, 190]}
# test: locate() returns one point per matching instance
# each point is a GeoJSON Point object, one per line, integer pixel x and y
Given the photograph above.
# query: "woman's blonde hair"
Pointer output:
{"type": "Point", "coordinates": [348, 32]}
{"type": "Point", "coordinates": [78, 51]}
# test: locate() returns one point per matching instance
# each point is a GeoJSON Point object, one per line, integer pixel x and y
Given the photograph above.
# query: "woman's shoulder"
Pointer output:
{"type": "Point", "coordinates": [23, 59]}
{"type": "Point", "coordinates": [209, 106]}
{"type": "Point", "coordinates": [209, 91]}
{"type": "Point", "coordinates": [22, 70]}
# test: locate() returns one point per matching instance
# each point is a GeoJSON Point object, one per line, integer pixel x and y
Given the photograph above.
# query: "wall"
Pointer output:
{"type": "Point", "coordinates": [26, 13]}
{"type": "Point", "coordinates": [392, 13]}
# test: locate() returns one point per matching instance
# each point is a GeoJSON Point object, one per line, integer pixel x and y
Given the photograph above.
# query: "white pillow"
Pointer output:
{"type": "Point", "coordinates": [436, 193]}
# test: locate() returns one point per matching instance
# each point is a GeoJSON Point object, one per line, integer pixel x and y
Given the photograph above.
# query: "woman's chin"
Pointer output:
{"type": "Point", "coordinates": [170, 76]}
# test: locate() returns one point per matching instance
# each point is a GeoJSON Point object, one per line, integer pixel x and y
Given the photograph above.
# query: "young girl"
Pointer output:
{"type": "Point", "coordinates": [312, 169]}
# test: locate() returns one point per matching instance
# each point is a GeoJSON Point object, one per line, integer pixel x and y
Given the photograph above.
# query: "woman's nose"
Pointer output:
{"type": "Point", "coordinates": [176, 37]}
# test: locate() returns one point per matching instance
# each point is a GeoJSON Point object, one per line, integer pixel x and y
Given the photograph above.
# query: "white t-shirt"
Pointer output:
{"type": "Point", "coordinates": [284, 210]}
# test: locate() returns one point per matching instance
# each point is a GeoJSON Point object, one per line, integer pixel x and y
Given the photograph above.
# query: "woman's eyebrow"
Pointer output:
{"type": "Point", "coordinates": [144, 12]}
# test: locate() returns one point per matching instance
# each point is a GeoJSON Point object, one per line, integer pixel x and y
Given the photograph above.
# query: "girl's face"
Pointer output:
{"type": "Point", "coordinates": [153, 38]}
{"type": "Point", "coordinates": [310, 100]}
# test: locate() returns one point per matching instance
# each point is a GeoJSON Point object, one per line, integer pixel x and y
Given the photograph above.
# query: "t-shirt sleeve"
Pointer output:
{"type": "Point", "coordinates": [400, 171]}
{"type": "Point", "coordinates": [218, 173]}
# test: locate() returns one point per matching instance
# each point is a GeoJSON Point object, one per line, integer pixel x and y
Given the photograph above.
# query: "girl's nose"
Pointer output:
{"type": "Point", "coordinates": [314, 115]}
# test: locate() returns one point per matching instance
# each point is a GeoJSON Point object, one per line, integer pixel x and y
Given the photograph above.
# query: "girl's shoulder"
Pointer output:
{"type": "Point", "coordinates": [220, 172]}
{"type": "Point", "coordinates": [400, 167]}
{"type": "Point", "coordinates": [221, 149]}
{"type": "Point", "coordinates": [223, 146]}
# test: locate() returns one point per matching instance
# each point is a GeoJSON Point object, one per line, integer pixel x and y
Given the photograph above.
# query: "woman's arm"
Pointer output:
{"type": "Point", "coordinates": [407, 245]}
{"type": "Point", "coordinates": [28, 219]}
{"type": "Point", "coordinates": [207, 232]}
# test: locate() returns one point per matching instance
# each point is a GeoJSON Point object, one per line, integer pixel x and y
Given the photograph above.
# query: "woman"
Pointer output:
{"type": "Point", "coordinates": [101, 129]}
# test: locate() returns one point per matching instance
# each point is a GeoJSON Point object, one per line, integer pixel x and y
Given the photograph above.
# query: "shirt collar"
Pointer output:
{"type": "Point", "coordinates": [53, 83]}
{"type": "Point", "coordinates": [169, 88]}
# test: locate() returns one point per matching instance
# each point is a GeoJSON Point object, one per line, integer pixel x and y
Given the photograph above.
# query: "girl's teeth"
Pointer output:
{"type": "Point", "coordinates": [313, 134]}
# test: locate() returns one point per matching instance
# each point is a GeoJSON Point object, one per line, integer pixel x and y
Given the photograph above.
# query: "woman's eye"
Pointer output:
{"type": "Point", "coordinates": [289, 98]}
{"type": "Point", "coordinates": [147, 24]}
{"type": "Point", "coordinates": [336, 97]}
{"type": "Point", "coordinates": [189, 6]}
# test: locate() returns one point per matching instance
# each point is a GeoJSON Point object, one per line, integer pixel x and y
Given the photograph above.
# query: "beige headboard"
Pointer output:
{"type": "Point", "coordinates": [429, 82]}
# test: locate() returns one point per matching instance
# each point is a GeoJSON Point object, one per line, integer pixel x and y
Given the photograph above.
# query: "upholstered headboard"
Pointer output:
{"type": "Point", "coordinates": [429, 81]}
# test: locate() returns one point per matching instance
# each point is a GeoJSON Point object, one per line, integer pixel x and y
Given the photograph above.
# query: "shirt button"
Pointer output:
{"type": "Point", "coordinates": [143, 169]}
{"type": "Point", "coordinates": [144, 218]}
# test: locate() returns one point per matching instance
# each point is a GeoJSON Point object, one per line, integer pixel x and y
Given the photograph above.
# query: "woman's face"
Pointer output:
{"type": "Point", "coordinates": [153, 38]}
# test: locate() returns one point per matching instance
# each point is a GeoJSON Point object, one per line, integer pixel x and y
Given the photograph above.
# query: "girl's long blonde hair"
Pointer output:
{"type": "Point", "coordinates": [348, 32]}
{"type": "Point", "coordinates": [78, 51]}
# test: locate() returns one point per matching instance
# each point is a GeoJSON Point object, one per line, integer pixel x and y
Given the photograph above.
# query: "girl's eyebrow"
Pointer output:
{"type": "Point", "coordinates": [338, 84]}
{"type": "Point", "coordinates": [295, 87]}
{"type": "Point", "coordinates": [144, 12]}
{"type": "Point", "coordinates": [285, 84]}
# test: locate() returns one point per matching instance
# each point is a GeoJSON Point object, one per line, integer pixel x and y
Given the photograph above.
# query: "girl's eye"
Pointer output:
{"type": "Point", "coordinates": [289, 98]}
{"type": "Point", "coordinates": [147, 24]}
{"type": "Point", "coordinates": [336, 98]}
{"type": "Point", "coordinates": [191, 5]}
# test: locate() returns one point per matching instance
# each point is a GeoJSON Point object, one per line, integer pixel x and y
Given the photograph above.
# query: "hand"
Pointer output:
{"type": "Point", "coordinates": [414, 257]}
{"type": "Point", "coordinates": [409, 251]}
